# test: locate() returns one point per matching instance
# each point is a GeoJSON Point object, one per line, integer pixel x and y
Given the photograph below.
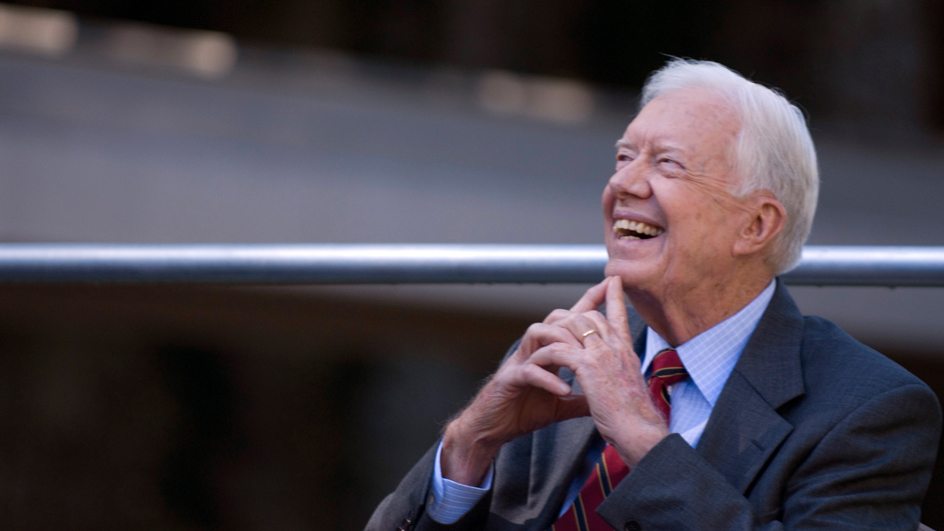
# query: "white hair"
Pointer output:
{"type": "Point", "coordinates": [773, 150]}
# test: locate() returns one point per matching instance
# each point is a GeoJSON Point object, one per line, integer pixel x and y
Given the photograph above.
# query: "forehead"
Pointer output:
{"type": "Point", "coordinates": [691, 120]}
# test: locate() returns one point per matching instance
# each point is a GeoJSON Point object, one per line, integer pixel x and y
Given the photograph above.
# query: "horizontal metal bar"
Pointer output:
{"type": "Point", "coordinates": [892, 266]}
{"type": "Point", "coordinates": [413, 264]}
{"type": "Point", "coordinates": [302, 264]}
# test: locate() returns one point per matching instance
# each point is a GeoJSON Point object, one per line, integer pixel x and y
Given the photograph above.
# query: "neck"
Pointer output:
{"type": "Point", "coordinates": [678, 315]}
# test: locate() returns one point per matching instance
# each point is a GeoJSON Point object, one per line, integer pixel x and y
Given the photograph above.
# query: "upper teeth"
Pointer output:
{"type": "Point", "coordinates": [637, 227]}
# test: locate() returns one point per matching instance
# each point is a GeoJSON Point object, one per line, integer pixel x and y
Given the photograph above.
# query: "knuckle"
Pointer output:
{"type": "Point", "coordinates": [533, 373]}
{"type": "Point", "coordinates": [520, 356]}
{"type": "Point", "coordinates": [555, 348]}
{"type": "Point", "coordinates": [556, 315]}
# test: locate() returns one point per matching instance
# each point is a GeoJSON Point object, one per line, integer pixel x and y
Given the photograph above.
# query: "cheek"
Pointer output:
{"type": "Point", "coordinates": [698, 205]}
{"type": "Point", "coordinates": [607, 201]}
{"type": "Point", "coordinates": [696, 224]}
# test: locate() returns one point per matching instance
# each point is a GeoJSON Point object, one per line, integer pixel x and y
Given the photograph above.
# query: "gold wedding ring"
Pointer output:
{"type": "Point", "coordinates": [588, 332]}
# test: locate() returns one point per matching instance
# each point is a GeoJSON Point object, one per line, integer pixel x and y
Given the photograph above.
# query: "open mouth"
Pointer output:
{"type": "Point", "coordinates": [635, 230]}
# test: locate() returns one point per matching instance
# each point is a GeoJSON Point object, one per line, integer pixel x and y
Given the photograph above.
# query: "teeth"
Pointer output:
{"type": "Point", "coordinates": [623, 226]}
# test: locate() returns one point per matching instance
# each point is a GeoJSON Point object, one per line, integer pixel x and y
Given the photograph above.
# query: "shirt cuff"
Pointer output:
{"type": "Point", "coordinates": [449, 500]}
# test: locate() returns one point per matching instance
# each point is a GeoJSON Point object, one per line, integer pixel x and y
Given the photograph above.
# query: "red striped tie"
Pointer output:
{"type": "Point", "coordinates": [667, 370]}
{"type": "Point", "coordinates": [582, 515]}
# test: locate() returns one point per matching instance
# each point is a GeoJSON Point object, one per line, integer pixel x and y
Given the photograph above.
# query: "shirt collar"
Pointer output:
{"type": "Point", "coordinates": [710, 356]}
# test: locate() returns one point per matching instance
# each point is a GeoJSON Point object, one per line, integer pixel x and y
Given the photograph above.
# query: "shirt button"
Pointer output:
{"type": "Point", "coordinates": [632, 525]}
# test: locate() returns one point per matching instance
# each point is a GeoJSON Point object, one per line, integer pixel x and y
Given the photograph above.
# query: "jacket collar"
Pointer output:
{"type": "Point", "coordinates": [745, 428]}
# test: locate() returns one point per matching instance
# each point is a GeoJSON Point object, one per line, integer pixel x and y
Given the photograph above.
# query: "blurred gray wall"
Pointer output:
{"type": "Point", "coordinates": [325, 148]}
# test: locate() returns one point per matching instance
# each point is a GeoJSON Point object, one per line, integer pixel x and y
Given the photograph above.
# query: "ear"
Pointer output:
{"type": "Point", "coordinates": [764, 221]}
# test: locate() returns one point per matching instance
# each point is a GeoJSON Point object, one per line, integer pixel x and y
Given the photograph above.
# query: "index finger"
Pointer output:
{"type": "Point", "coordinates": [616, 309]}
{"type": "Point", "coordinates": [592, 298]}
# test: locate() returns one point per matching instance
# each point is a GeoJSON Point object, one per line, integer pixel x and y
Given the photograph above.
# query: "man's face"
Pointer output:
{"type": "Point", "coordinates": [669, 215]}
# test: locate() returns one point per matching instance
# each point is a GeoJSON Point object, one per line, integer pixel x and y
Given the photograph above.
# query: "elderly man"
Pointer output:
{"type": "Point", "coordinates": [712, 403]}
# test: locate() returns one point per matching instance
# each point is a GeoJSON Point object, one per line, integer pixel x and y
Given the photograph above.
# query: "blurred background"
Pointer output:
{"type": "Point", "coordinates": [382, 121]}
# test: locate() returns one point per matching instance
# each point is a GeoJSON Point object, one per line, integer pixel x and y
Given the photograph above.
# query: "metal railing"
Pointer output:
{"type": "Point", "coordinates": [413, 264]}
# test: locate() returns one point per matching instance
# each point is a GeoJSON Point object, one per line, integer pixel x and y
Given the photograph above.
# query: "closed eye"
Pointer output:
{"type": "Point", "coordinates": [671, 163]}
{"type": "Point", "coordinates": [623, 159]}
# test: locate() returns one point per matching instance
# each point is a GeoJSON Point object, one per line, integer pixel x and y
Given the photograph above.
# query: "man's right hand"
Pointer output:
{"type": "Point", "coordinates": [520, 398]}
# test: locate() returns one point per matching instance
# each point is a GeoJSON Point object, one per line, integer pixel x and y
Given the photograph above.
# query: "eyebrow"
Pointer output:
{"type": "Point", "coordinates": [660, 146]}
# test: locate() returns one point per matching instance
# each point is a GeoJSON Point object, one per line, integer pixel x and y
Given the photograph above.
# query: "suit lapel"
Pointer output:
{"type": "Point", "coordinates": [744, 428]}
{"type": "Point", "coordinates": [556, 457]}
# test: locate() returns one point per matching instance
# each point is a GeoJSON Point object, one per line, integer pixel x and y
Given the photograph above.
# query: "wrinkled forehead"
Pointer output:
{"type": "Point", "coordinates": [692, 109]}
{"type": "Point", "coordinates": [694, 121]}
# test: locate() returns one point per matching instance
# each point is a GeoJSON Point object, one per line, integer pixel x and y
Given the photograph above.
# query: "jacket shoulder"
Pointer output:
{"type": "Point", "coordinates": [834, 360]}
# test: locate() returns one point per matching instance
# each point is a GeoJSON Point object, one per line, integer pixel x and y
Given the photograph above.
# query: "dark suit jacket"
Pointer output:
{"type": "Point", "coordinates": [813, 430]}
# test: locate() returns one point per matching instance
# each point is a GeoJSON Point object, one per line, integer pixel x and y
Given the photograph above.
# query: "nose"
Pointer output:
{"type": "Point", "coordinates": [631, 179]}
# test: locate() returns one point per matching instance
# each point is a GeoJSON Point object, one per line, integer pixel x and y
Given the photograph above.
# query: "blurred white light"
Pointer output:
{"type": "Point", "coordinates": [42, 31]}
{"type": "Point", "coordinates": [502, 92]}
{"type": "Point", "coordinates": [557, 100]}
{"type": "Point", "coordinates": [560, 100]}
{"type": "Point", "coordinates": [211, 54]}
{"type": "Point", "coordinates": [207, 54]}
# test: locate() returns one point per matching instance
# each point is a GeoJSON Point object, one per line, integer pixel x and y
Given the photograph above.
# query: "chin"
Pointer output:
{"type": "Point", "coordinates": [635, 274]}
{"type": "Point", "coordinates": [623, 269]}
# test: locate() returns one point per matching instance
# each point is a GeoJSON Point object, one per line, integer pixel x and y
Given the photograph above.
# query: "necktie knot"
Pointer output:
{"type": "Point", "coordinates": [667, 370]}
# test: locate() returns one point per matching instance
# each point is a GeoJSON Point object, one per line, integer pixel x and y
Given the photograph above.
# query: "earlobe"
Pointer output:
{"type": "Point", "coordinates": [767, 218]}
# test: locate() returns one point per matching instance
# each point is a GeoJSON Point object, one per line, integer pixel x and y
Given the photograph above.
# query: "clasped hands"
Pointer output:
{"type": "Point", "coordinates": [526, 393]}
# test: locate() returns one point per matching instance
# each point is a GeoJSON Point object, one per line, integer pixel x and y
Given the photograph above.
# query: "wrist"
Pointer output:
{"type": "Point", "coordinates": [466, 458]}
{"type": "Point", "coordinates": [634, 447]}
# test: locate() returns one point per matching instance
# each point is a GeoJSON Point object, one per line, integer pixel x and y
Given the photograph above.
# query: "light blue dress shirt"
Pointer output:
{"type": "Point", "coordinates": [709, 359]}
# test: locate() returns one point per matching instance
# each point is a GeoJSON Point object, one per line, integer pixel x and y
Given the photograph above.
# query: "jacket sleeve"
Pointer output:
{"type": "Point", "coordinates": [405, 508]}
{"type": "Point", "coordinates": [402, 508]}
{"type": "Point", "coordinates": [870, 471]}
